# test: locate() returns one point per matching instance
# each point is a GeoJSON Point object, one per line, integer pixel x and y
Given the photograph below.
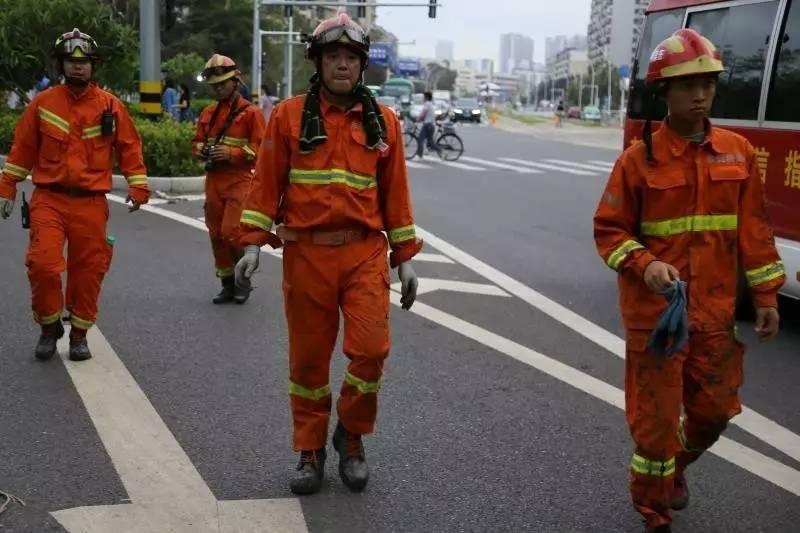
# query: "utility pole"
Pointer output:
{"type": "Point", "coordinates": [289, 58]}
{"type": "Point", "coordinates": [150, 59]}
{"type": "Point", "coordinates": [608, 66]}
{"type": "Point", "coordinates": [255, 75]}
{"type": "Point", "coordinates": [580, 90]}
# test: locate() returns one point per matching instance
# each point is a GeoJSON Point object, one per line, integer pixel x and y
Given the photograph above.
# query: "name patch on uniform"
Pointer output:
{"type": "Point", "coordinates": [725, 158]}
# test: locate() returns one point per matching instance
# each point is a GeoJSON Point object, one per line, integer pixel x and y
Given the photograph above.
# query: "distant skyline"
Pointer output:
{"type": "Point", "coordinates": [475, 29]}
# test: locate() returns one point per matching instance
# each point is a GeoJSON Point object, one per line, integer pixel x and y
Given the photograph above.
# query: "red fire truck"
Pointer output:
{"type": "Point", "coordinates": [758, 95]}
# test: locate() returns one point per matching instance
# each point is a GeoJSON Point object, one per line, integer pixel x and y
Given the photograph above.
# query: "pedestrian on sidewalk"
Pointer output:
{"type": "Point", "coordinates": [686, 205]}
{"type": "Point", "coordinates": [331, 171]}
{"type": "Point", "coordinates": [227, 137]}
{"type": "Point", "coordinates": [66, 139]}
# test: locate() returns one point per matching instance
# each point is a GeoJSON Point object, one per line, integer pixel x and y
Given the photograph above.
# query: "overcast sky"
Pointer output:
{"type": "Point", "coordinates": [475, 25]}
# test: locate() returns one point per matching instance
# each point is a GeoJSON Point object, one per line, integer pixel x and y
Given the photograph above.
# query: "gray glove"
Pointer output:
{"type": "Point", "coordinates": [6, 207]}
{"type": "Point", "coordinates": [247, 265]}
{"type": "Point", "coordinates": [408, 279]}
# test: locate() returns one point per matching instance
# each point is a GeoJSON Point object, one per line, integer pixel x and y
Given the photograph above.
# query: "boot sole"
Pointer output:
{"type": "Point", "coordinates": [80, 358]}
{"type": "Point", "coordinates": [305, 491]}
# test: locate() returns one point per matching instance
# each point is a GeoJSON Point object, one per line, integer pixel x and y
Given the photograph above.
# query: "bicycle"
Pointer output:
{"type": "Point", "coordinates": [449, 144]}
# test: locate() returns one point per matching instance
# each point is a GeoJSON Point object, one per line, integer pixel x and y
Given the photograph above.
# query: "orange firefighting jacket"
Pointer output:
{"type": "Point", "coordinates": [699, 208]}
{"type": "Point", "coordinates": [340, 184]}
{"type": "Point", "coordinates": [58, 140]}
{"type": "Point", "coordinates": [243, 137]}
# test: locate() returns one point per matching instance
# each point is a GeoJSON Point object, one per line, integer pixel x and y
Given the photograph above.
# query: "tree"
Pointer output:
{"type": "Point", "coordinates": [184, 68]}
{"type": "Point", "coordinates": [29, 29]}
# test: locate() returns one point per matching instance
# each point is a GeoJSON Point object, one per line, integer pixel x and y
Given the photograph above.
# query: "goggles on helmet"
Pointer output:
{"type": "Point", "coordinates": [338, 34]}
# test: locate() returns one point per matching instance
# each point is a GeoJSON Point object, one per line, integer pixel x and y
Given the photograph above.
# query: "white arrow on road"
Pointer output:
{"type": "Point", "coordinates": [431, 284]}
{"type": "Point", "coordinates": [166, 491]}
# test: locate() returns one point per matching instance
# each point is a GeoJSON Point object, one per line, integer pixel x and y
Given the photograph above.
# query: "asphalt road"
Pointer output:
{"type": "Point", "coordinates": [481, 428]}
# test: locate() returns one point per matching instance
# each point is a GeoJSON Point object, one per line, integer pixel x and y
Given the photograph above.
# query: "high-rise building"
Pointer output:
{"type": "Point", "coordinates": [444, 51]}
{"type": "Point", "coordinates": [559, 43]}
{"type": "Point", "coordinates": [516, 51]}
{"type": "Point", "coordinates": [614, 30]}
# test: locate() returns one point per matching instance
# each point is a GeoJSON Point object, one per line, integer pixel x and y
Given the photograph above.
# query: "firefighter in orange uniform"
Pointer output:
{"type": "Point", "coordinates": [66, 139]}
{"type": "Point", "coordinates": [227, 138]}
{"type": "Point", "coordinates": [331, 172]}
{"type": "Point", "coordinates": [686, 204]}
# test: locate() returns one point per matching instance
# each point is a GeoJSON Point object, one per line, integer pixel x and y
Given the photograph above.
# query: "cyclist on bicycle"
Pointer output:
{"type": "Point", "coordinates": [428, 118]}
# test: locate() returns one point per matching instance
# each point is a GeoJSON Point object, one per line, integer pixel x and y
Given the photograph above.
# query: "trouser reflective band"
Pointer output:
{"type": "Point", "coordinates": [364, 387]}
{"type": "Point", "coordinates": [310, 394]}
{"type": "Point", "coordinates": [45, 320]}
{"type": "Point", "coordinates": [684, 441]}
{"type": "Point", "coordinates": [649, 467]}
{"type": "Point", "coordinates": [78, 322]}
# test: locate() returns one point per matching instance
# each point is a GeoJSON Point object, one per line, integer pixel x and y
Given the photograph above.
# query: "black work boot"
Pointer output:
{"type": "Point", "coordinates": [226, 294]}
{"type": "Point", "coordinates": [680, 497]}
{"type": "Point", "coordinates": [78, 346]}
{"type": "Point", "coordinates": [353, 468]}
{"type": "Point", "coordinates": [310, 470]}
{"type": "Point", "coordinates": [46, 347]}
{"type": "Point", "coordinates": [241, 294]}
{"type": "Point", "coordinates": [664, 528]}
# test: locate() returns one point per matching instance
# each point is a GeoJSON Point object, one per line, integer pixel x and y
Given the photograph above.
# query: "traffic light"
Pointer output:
{"type": "Point", "coordinates": [287, 11]}
{"type": "Point", "coordinates": [361, 11]}
{"type": "Point", "coordinates": [432, 9]}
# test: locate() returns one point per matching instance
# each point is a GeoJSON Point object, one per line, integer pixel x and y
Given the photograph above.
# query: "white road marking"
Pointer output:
{"type": "Point", "coordinates": [166, 491]}
{"type": "Point", "coordinates": [578, 165]}
{"type": "Point", "coordinates": [433, 258]}
{"type": "Point", "coordinates": [606, 164]}
{"type": "Point", "coordinates": [414, 164]}
{"type": "Point", "coordinates": [504, 166]}
{"type": "Point", "coordinates": [454, 164]}
{"type": "Point", "coordinates": [751, 460]}
{"type": "Point", "coordinates": [759, 426]}
{"type": "Point", "coordinates": [430, 285]}
{"type": "Point", "coordinates": [548, 167]}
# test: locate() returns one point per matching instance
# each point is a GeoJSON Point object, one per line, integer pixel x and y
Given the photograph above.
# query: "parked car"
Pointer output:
{"type": "Point", "coordinates": [574, 112]}
{"type": "Point", "coordinates": [468, 109]}
{"type": "Point", "coordinates": [592, 113]}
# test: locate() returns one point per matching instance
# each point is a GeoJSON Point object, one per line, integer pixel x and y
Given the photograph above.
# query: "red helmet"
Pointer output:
{"type": "Point", "coordinates": [220, 68]}
{"type": "Point", "coordinates": [339, 29]}
{"type": "Point", "coordinates": [685, 53]}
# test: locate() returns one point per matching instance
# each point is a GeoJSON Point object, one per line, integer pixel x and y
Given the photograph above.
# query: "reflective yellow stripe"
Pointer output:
{"type": "Point", "coordinates": [403, 234]}
{"type": "Point", "coordinates": [16, 171]}
{"type": "Point", "coordinates": [249, 151]}
{"type": "Point", "coordinates": [137, 179]}
{"type": "Point", "coordinates": [55, 120]}
{"type": "Point", "coordinates": [310, 394]}
{"type": "Point", "coordinates": [364, 387]}
{"type": "Point", "coordinates": [234, 141]}
{"type": "Point", "coordinates": [649, 467]}
{"type": "Point", "coordinates": [80, 323]}
{"type": "Point", "coordinates": [676, 226]}
{"type": "Point", "coordinates": [254, 218]}
{"type": "Point", "coordinates": [94, 131]}
{"type": "Point", "coordinates": [225, 272]}
{"type": "Point", "coordinates": [618, 256]}
{"type": "Point", "coordinates": [45, 320]}
{"type": "Point", "coordinates": [757, 276]}
{"type": "Point", "coordinates": [331, 176]}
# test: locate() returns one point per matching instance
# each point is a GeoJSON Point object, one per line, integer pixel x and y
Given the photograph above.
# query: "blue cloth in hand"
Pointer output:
{"type": "Point", "coordinates": [673, 324]}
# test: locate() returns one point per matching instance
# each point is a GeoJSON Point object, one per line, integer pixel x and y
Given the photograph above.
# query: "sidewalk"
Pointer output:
{"type": "Point", "coordinates": [609, 138]}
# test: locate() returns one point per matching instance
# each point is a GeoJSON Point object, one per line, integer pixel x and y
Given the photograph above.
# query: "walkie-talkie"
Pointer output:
{"type": "Point", "coordinates": [107, 122]}
{"type": "Point", "coordinates": [25, 211]}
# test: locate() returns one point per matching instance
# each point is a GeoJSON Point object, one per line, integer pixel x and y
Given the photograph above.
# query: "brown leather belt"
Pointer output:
{"type": "Point", "coordinates": [323, 238]}
{"type": "Point", "coordinates": [69, 191]}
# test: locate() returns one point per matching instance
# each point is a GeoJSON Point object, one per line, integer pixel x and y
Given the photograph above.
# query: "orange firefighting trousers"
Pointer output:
{"type": "Point", "coordinates": [318, 281]}
{"type": "Point", "coordinates": [705, 380]}
{"type": "Point", "coordinates": [223, 209]}
{"type": "Point", "coordinates": [80, 221]}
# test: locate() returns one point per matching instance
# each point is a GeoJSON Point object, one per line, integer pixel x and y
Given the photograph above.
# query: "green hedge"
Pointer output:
{"type": "Point", "coordinates": [168, 148]}
{"type": "Point", "coordinates": [167, 145]}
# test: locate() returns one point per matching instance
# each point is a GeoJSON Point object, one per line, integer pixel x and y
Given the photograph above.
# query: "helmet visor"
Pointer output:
{"type": "Point", "coordinates": [218, 74]}
{"type": "Point", "coordinates": [337, 34]}
{"type": "Point", "coordinates": [77, 47]}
